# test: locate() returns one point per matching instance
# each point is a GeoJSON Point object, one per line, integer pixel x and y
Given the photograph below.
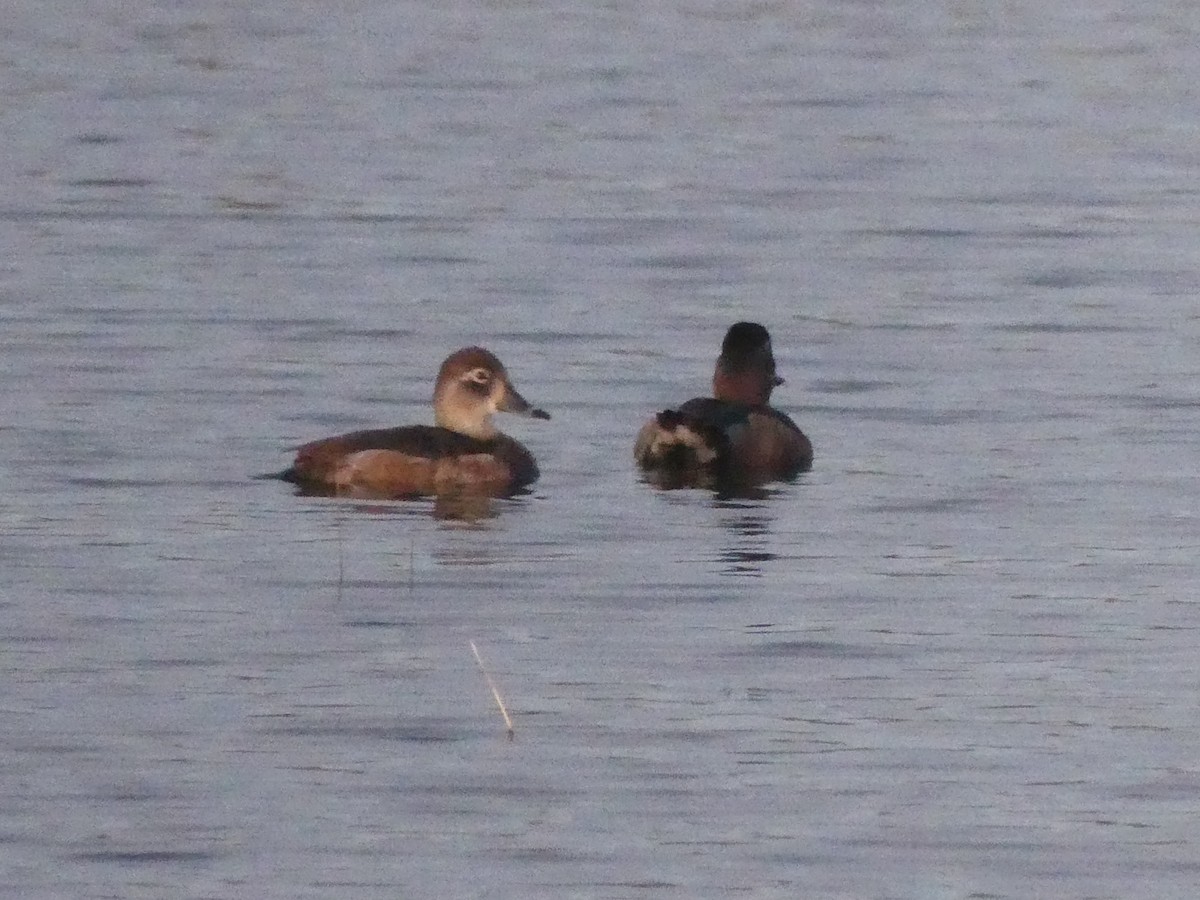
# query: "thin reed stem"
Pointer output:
{"type": "Point", "coordinates": [495, 690]}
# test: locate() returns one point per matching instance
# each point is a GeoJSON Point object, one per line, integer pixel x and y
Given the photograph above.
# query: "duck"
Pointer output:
{"type": "Point", "coordinates": [463, 452]}
{"type": "Point", "coordinates": [733, 437]}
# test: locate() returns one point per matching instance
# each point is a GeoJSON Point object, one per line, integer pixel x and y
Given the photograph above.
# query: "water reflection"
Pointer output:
{"type": "Point", "coordinates": [464, 507]}
{"type": "Point", "coordinates": [747, 526]}
{"type": "Point", "coordinates": [743, 517]}
{"type": "Point", "coordinates": [467, 509]}
{"type": "Point", "coordinates": [722, 487]}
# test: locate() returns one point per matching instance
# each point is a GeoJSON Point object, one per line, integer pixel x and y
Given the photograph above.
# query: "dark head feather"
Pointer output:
{"type": "Point", "coordinates": [744, 339]}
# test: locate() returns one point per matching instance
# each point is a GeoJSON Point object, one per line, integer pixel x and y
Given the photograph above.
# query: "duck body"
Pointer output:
{"type": "Point", "coordinates": [463, 453]}
{"type": "Point", "coordinates": [412, 461]}
{"type": "Point", "coordinates": [733, 437]}
{"type": "Point", "coordinates": [708, 442]}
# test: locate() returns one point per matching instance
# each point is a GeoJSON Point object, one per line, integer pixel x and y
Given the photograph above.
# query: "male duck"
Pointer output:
{"type": "Point", "coordinates": [733, 436]}
{"type": "Point", "coordinates": [462, 453]}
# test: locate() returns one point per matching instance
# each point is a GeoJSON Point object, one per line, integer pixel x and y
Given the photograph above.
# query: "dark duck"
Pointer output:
{"type": "Point", "coordinates": [734, 436]}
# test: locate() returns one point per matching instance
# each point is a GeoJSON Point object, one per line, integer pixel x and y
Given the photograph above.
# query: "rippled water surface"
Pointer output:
{"type": "Point", "coordinates": [955, 660]}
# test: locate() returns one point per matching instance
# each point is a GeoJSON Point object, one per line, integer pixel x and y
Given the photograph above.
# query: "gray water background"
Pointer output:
{"type": "Point", "coordinates": [957, 660]}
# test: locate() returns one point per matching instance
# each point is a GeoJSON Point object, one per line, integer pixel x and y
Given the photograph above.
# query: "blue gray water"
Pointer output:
{"type": "Point", "coordinates": [957, 660]}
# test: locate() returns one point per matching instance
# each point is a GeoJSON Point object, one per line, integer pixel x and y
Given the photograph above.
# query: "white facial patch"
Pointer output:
{"type": "Point", "coordinates": [479, 375]}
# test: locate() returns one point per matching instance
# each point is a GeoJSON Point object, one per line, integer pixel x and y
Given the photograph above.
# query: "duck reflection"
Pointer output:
{"type": "Point", "coordinates": [467, 508]}
{"type": "Point", "coordinates": [746, 523]}
{"type": "Point", "coordinates": [464, 508]}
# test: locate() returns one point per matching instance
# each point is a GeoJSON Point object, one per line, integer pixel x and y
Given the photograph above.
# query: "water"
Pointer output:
{"type": "Point", "coordinates": [955, 660]}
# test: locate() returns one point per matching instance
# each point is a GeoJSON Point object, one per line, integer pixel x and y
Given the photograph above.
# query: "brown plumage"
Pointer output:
{"type": "Point", "coordinates": [733, 436]}
{"type": "Point", "coordinates": [462, 453]}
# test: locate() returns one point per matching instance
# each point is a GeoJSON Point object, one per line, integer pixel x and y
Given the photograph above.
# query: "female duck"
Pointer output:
{"type": "Point", "coordinates": [462, 453]}
{"type": "Point", "coordinates": [733, 436]}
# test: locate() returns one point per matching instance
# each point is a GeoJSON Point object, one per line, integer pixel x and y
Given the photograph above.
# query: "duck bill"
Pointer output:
{"type": "Point", "coordinates": [513, 402]}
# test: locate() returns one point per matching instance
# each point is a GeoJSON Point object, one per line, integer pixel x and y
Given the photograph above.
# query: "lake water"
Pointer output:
{"type": "Point", "coordinates": [956, 660]}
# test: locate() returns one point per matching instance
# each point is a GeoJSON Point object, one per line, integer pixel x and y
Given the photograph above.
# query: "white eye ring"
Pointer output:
{"type": "Point", "coordinates": [478, 375]}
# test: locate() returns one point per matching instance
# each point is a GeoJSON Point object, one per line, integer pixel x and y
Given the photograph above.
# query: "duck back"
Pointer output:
{"type": "Point", "coordinates": [708, 440]}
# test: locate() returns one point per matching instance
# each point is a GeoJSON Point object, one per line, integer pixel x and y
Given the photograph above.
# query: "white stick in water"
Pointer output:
{"type": "Point", "coordinates": [495, 691]}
